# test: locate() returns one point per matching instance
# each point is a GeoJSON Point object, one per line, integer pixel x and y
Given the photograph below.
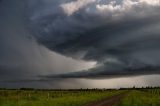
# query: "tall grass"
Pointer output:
{"type": "Point", "coordinates": [51, 98]}
{"type": "Point", "coordinates": [141, 98]}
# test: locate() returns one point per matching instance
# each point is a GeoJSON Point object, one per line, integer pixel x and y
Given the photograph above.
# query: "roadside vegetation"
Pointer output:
{"type": "Point", "coordinates": [53, 98]}
{"type": "Point", "coordinates": [37, 97]}
{"type": "Point", "coordinates": [141, 97]}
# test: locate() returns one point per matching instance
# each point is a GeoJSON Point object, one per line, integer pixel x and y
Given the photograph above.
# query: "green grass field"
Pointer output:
{"type": "Point", "coordinates": [148, 97]}
{"type": "Point", "coordinates": [134, 97]}
{"type": "Point", "coordinates": [52, 98]}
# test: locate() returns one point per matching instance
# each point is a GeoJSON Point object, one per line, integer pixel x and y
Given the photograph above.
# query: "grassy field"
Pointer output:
{"type": "Point", "coordinates": [52, 98]}
{"type": "Point", "coordinates": [145, 97]}
{"type": "Point", "coordinates": [133, 97]}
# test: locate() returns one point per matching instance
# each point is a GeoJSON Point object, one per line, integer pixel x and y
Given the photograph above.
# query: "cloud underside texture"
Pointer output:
{"type": "Point", "coordinates": [122, 36]}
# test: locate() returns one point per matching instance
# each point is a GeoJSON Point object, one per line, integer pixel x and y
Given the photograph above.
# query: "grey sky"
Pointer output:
{"type": "Point", "coordinates": [121, 36]}
{"type": "Point", "coordinates": [45, 39]}
{"type": "Point", "coordinates": [21, 57]}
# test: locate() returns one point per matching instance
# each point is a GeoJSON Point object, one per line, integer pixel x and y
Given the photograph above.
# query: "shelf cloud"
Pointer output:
{"type": "Point", "coordinates": [50, 42]}
{"type": "Point", "coordinates": [122, 36]}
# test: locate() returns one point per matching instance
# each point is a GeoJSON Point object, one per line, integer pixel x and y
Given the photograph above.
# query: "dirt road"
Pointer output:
{"type": "Point", "coordinates": [110, 101]}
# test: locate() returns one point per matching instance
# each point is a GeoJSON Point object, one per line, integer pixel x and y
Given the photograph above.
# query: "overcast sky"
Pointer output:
{"type": "Point", "coordinates": [79, 43]}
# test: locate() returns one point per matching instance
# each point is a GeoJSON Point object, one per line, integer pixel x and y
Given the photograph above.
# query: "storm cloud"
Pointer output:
{"type": "Point", "coordinates": [79, 43]}
{"type": "Point", "coordinates": [122, 36]}
{"type": "Point", "coordinates": [21, 57]}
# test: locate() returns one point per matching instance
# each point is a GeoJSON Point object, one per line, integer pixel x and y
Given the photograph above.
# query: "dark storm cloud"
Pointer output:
{"type": "Point", "coordinates": [22, 59]}
{"type": "Point", "coordinates": [122, 36]}
{"type": "Point", "coordinates": [106, 72]}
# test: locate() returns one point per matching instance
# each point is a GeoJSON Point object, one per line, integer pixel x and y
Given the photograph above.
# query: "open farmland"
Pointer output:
{"type": "Point", "coordinates": [145, 97]}
{"type": "Point", "coordinates": [53, 98]}
{"type": "Point", "coordinates": [81, 97]}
